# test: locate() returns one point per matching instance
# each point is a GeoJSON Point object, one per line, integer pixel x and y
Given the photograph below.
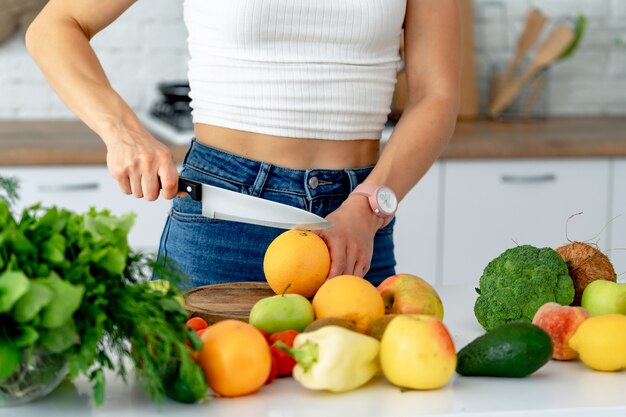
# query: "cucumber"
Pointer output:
{"type": "Point", "coordinates": [515, 349]}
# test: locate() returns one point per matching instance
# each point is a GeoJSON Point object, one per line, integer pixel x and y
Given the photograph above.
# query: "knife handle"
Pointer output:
{"type": "Point", "coordinates": [191, 187]}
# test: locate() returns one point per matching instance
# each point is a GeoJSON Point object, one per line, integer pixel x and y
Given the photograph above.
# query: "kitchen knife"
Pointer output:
{"type": "Point", "coordinates": [218, 203]}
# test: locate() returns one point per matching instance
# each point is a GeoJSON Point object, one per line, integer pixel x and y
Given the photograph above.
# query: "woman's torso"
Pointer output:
{"type": "Point", "coordinates": [291, 82]}
{"type": "Point", "coordinates": [290, 152]}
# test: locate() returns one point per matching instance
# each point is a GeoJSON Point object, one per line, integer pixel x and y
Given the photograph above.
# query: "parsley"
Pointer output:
{"type": "Point", "coordinates": [70, 283]}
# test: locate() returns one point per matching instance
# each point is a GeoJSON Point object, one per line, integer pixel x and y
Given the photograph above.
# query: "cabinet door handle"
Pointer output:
{"type": "Point", "coordinates": [86, 186]}
{"type": "Point", "coordinates": [528, 179]}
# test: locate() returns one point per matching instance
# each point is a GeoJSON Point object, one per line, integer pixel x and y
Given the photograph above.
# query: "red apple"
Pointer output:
{"type": "Point", "coordinates": [410, 294]}
{"type": "Point", "coordinates": [560, 322]}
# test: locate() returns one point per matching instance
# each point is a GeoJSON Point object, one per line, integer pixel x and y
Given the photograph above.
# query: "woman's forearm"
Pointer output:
{"type": "Point", "coordinates": [58, 40]}
{"type": "Point", "coordinates": [417, 140]}
{"type": "Point", "coordinates": [61, 48]}
{"type": "Point", "coordinates": [432, 54]}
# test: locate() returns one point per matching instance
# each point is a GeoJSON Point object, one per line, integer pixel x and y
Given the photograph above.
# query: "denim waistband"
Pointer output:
{"type": "Point", "coordinates": [258, 175]}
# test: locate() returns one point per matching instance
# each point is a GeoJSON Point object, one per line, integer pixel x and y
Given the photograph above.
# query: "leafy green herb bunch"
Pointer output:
{"type": "Point", "coordinates": [71, 285]}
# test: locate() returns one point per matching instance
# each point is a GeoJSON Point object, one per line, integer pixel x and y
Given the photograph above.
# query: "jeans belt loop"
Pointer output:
{"type": "Point", "coordinates": [261, 178]}
{"type": "Point", "coordinates": [353, 179]}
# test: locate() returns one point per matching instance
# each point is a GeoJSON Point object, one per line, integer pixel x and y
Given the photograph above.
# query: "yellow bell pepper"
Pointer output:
{"type": "Point", "coordinates": [334, 358]}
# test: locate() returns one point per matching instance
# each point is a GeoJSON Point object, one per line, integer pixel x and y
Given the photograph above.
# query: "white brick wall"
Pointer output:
{"type": "Point", "coordinates": [144, 46]}
{"type": "Point", "coordinates": [147, 45]}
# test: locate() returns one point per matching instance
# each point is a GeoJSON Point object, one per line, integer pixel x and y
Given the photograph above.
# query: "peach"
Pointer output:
{"type": "Point", "coordinates": [410, 294]}
{"type": "Point", "coordinates": [560, 322]}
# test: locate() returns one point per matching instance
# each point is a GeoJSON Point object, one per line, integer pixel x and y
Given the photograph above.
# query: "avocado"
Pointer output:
{"type": "Point", "coordinates": [514, 349]}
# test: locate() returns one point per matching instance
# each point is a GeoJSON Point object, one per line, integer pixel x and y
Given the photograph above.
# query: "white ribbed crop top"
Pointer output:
{"type": "Point", "coordinates": [323, 69]}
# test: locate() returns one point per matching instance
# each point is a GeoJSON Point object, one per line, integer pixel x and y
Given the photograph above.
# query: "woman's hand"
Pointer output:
{"type": "Point", "coordinates": [351, 240]}
{"type": "Point", "coordinates": [138, 162]}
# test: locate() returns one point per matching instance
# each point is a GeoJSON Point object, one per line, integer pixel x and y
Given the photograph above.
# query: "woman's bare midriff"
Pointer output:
{"type": "Point", "coordinates": [288, 152]}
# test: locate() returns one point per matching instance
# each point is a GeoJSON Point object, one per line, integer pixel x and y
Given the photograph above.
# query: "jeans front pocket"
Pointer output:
{"type": "Point", "coordinates": [185, 209]}
{"type": "Point", "coordinates": [211, 251]}
{"type": "Point", "coordinates": [215, 251]}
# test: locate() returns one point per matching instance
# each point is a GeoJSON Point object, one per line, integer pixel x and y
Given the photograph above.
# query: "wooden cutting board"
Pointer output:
{"type": "Point", "coordinates": [225, 301]}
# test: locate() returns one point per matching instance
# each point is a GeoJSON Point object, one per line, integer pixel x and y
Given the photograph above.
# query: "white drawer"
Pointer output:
{"type": "Point", "coordinates": [617, 246]}
{"type": "Point", "coordinates": [416, 233]}
{"type": "Point", "coordinates": [81, 187]}
{"type": "Point", "coordinates": [491, 206]}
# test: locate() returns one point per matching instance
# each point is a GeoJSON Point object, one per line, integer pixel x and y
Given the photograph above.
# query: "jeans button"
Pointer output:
{"type": "Point", "coordinates": [313, 182]}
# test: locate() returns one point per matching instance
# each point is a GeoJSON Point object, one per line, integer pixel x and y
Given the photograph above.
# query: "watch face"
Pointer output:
{"type": "Point", "coordinates": [387, 200]}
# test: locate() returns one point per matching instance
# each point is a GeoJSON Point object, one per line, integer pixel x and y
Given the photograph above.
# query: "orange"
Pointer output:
{"type": "Point", "coordinates": [235, 358]}
{"type": "Point", "coordinates": [296, 262]}
{"type": "Point", "coordinates": [349, 297]}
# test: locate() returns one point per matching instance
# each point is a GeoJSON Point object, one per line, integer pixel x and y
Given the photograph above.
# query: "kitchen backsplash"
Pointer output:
{"type": "Point", "coordinates": [592, 81]}
{"type": "Point", "coordinates": [147, 45]}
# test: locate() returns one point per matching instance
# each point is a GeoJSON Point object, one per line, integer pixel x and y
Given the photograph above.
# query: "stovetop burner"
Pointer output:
{"type": "Point", "coordinates": [175, 114]}
{"type": "Point", "coordinates": [174, 108]}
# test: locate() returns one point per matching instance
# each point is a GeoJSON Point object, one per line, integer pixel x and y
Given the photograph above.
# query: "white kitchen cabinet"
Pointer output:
{"type": "Point", "coordinates": [80, 187]}
{"type": "Point", "coordinates": [416, 233]}
{"type": "Point", "coordinates": [492, 205]}
{"type": "Point", "coordinates": [617, 247]}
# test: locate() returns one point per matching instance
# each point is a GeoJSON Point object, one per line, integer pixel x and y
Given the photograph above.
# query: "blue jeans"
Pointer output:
{"type": "Point", "coordinates": [210, 251]}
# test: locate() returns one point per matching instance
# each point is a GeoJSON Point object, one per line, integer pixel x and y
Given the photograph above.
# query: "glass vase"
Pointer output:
{"type": "Point", "coordinates": [37, 375]}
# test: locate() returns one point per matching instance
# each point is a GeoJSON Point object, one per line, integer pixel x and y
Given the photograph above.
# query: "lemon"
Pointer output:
{"type": "Point", "coordinates": [601, 342]}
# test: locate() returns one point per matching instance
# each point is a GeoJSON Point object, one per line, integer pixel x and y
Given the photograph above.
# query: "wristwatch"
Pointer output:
{"type": "Point", "coordinates": [383, 200]}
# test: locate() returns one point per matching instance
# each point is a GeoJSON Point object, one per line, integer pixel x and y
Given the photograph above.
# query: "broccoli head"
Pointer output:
{"type": "Point", "coordinates": [519, 281]}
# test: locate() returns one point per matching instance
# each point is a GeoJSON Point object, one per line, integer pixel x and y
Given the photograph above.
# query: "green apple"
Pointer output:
{"type": "Point", "coordinates": [282, 312]}
{"type": "Point", "coordinates": [604, 297]}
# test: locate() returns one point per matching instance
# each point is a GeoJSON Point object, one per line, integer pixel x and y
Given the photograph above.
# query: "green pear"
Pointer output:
{"type": "Point", "coordinates": [604, 297]}
{"type": "Point", "coordinates": [282, 312]}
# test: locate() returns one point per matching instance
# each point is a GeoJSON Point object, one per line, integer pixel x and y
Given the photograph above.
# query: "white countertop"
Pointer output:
{"type": "Point", "coordinates": [558, 389]}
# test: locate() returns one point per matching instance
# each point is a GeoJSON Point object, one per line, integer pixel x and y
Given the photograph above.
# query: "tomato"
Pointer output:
{"type": "Point", "coordinates": [235, 358]}
{"type": "Point", "coordinates": [285, 362]}
{"type": "Point", "coordinates": [273, 371]}
{"type": "Point", "coordinates": [266, 335]}
{"type": "Point", "coordinates": [197, 323]}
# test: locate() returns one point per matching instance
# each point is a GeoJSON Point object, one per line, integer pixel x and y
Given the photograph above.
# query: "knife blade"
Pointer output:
{"type": "Point", "coordinates": [218, 203]}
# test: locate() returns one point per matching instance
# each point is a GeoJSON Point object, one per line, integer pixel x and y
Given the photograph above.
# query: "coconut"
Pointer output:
{"type": "Point", "coordinates": [586, 263]}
